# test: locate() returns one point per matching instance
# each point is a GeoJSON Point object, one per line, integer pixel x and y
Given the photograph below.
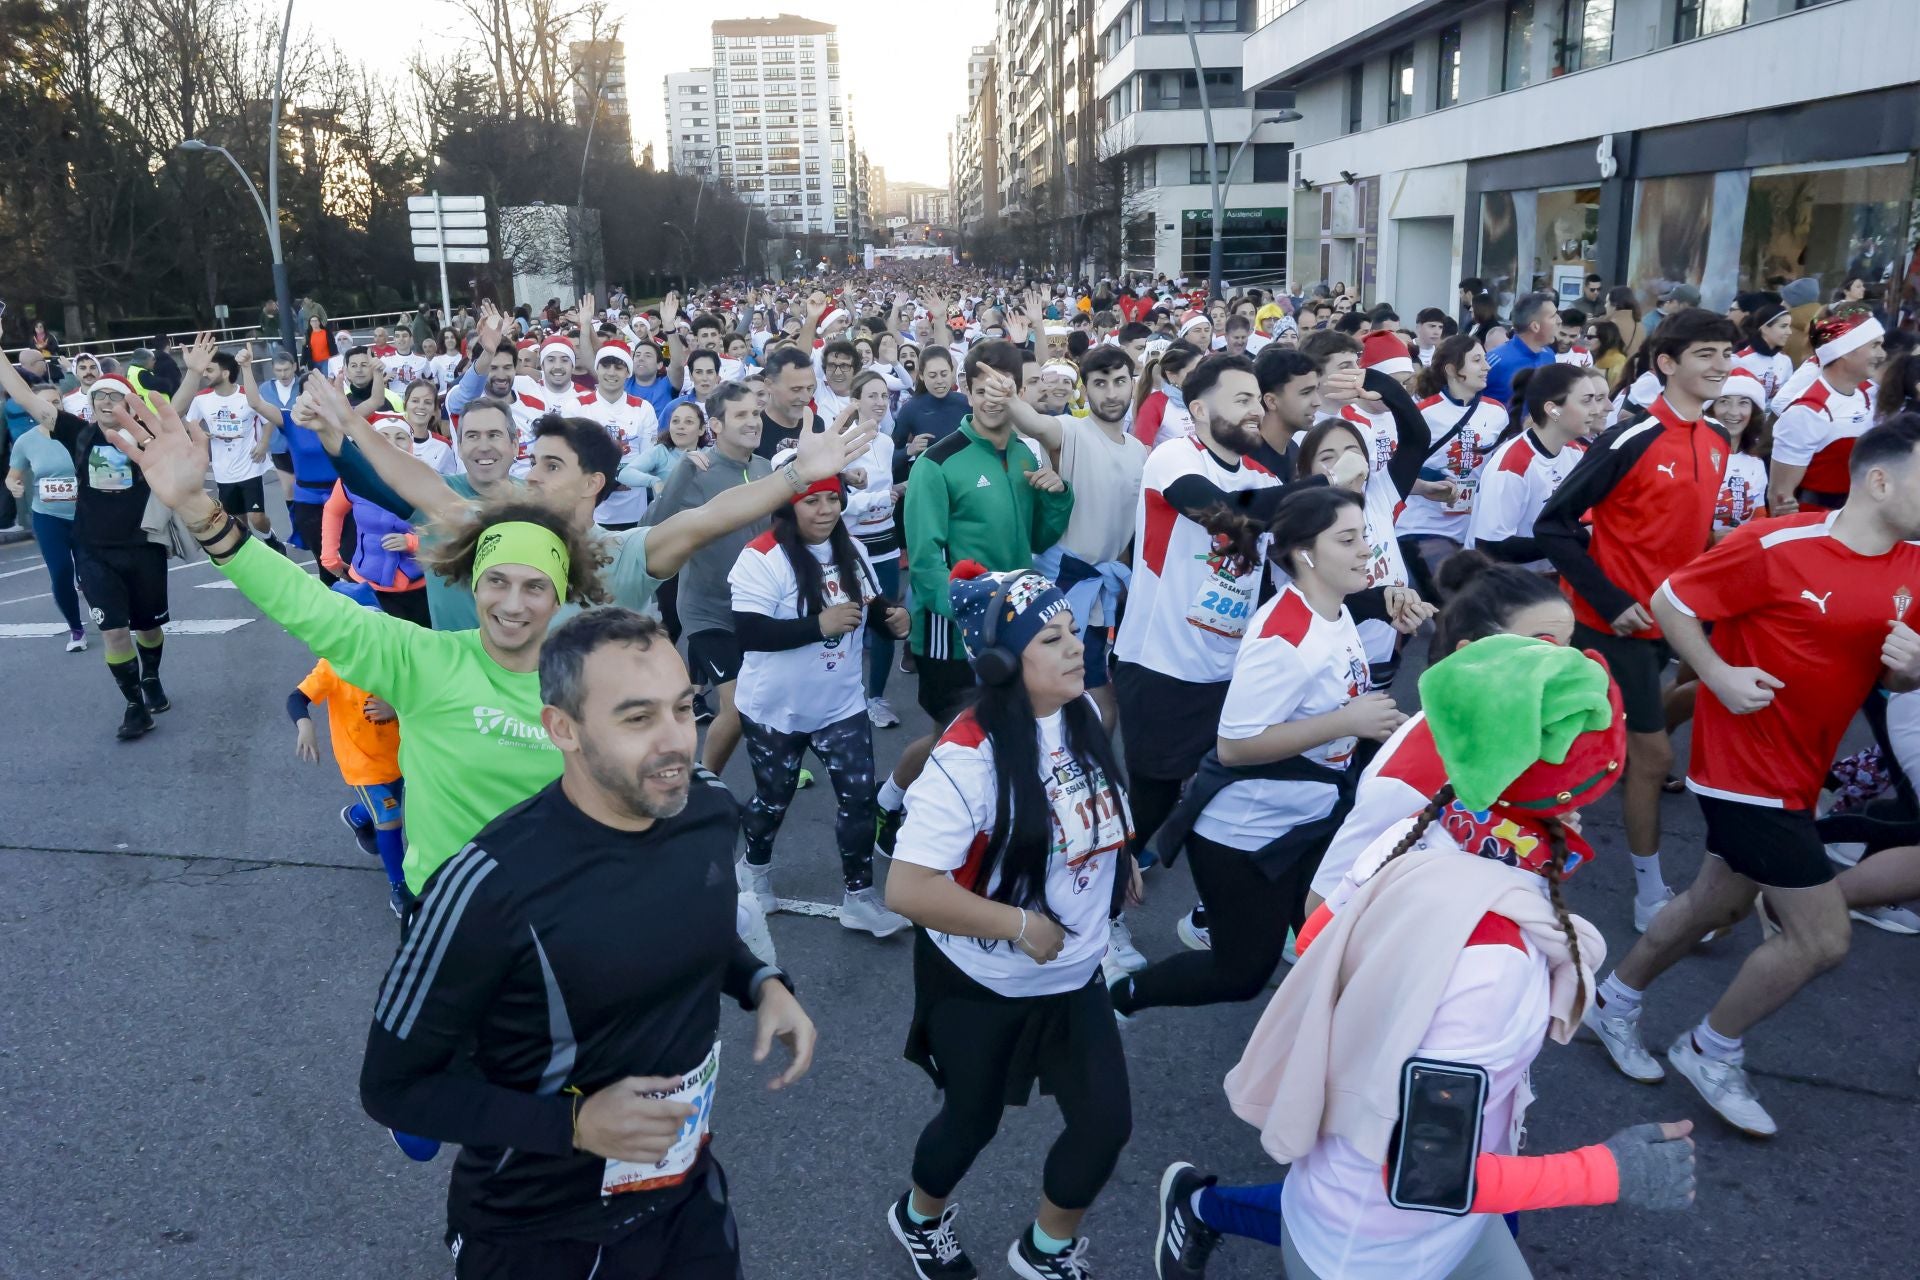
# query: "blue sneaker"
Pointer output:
{"type": "Point", "coordinates": [414, 1148]}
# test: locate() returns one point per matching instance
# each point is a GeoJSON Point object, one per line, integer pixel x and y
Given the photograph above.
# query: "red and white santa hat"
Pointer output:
{"type": "Point", "coordinates": [558, 342]}
{"type": "Point", "coordinates": [832, 317]}
{"type": "Point", "coordinates": [617, 351]}
{"type": "Point", "coordinates": [1386, 352]}
{"type": "Point", "coordinates": [1843, 333]}
{"type": "Point", "coordinates": [1741, 382]}
{"type": "Point", "coordinates": [111, 382]}
{"type": "Point", "coordinates": [1191, 321]}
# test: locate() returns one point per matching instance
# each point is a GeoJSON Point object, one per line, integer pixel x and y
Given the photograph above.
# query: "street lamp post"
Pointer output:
{"type": "Point", "coordinates": [686, 275]}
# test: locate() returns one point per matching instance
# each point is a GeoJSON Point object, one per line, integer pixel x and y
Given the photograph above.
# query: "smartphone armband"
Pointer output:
{"type": "Point", "coordinates": [1434, 1148]}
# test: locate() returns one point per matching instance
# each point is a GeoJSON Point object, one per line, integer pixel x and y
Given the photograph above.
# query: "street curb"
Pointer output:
{"type": "Point", "coordinates": [9, 536]}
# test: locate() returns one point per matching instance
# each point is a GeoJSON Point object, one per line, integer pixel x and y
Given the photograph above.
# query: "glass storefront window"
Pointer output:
{"type": "Point", "coordinates": [1671, 221]}
{"type": "Point", "coordinates": [1252, 245]}
{"type": "Point", "coordinates": [1566, 229]}
{"type": "Point", "coordinates": [1499, 245]}
{"type": "Point", "coordinates": [1826, 223]}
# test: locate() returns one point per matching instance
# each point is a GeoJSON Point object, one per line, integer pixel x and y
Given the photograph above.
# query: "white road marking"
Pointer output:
{"type": "Point", "coordinates": [32, 568]}
{"type": "Point", "coordinates": [181, 627]}
{"type": "Point", "coordinates": [222, 585]}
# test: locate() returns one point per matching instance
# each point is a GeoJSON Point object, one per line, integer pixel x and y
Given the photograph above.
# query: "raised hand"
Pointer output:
{"type": "Point", "coordinates": [171, 454]}
{"type": "Point", "coordinates": [819, 455]}
{"type": "Point", "coordinates": [198, 358]}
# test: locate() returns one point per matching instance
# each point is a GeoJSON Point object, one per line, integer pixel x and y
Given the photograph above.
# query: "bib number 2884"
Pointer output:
{"type": "Point", "coordinates": [1221, 608]}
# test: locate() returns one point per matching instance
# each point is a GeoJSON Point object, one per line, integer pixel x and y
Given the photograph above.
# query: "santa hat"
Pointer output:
{"type": "Point", "coordinates": [833, 316]}
{"type": "Point", "coordinates": [1386, 352]}
{"type": "Point", "coordinates": [527, 344]}
{"type": "Point", "coordinates": [110, 382]}
{"type": "Point", "coordinates": [1191, 321]}
{"type": "Point", "coordinates": [1741, 382]}
{"type": "Point", "coordinates": [615, 351]}
{"type": "Point", "coordinates": [558, 342]}
{"type": "Point", "coordinates": [1843, 333]}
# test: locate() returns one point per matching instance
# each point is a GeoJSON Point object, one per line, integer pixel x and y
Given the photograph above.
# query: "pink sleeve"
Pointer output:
{"type": "Point", "coordinates": [1508, 1184]}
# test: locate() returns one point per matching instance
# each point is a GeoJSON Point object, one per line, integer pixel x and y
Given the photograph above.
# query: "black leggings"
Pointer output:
{"type": "Point", "coordinates": [973, 1041]}
{"type": "Point", "coordinates": [1151, 799]}
{"type": "Point", "coordinates": [306, 518]}
{"type": "Point", "coordinates": [410, 605]}
{"type": "Point", "coordinates": [1247, 916]}
{"type": "Point", "coordinates": [846, 747]}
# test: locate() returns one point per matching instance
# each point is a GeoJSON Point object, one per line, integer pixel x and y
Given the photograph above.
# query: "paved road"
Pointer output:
{"type": "Point", "coordinates": [192, 945]}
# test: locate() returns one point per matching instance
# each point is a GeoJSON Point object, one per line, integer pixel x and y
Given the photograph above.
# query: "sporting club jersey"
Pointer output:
{"type": "Point", "coordinates": [1294, 664]}
{"type": "Point", "coordinates": [1817, 432]}
{"type": "Point", "coordinates": [1399, 783]}
{"type": "Point", "coordinates": [1788, 597]}
{"type": "Point", "coordinates": [1515, 484]}
{"type": "Point", "coordinates": [1743, 493]}
{"type": "Point", "coordinates": [233, 431]}
{"type": "Point", "coordinates": [950, 817]}
{"type": "Point", "coordinates": [1459, 457]}
{"type": "Point", "coordinates": [1186, 608]}
{"type": "Point", "coordinates": [811, 686]}
{"type": "Point", "coordinates": [632, 423]}
{"type": "Point", "coordinates": [1773, 368]}
{"type": "Point", "coordinates": [533, 400]}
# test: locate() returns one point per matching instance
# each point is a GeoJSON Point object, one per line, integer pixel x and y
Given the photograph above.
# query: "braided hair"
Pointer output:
{"type": "Point", "coordinates": [1555, 870]}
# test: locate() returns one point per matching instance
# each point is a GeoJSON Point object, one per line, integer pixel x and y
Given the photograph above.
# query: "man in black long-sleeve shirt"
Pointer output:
{"type": "Point", "coordinates": [579, 945]}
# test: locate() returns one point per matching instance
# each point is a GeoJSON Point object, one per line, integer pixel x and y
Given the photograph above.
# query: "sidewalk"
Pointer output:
{"type": "Point", "coordinates": [13, 535]}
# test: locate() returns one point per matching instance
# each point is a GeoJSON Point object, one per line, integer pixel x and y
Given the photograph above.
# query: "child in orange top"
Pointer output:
{"type": "Point", "coordinates": [366, 747]}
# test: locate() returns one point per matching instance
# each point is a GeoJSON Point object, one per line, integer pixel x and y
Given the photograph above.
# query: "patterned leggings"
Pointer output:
{"type": "Point", "coordinates": [847, 748]}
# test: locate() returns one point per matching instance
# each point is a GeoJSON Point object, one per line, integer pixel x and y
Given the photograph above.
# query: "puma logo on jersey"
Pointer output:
{"type": "Point", "coordinates": [1666, 468]}
{"type": "Point", "coordinates": [1819, 600]}
{"type": "Point", "coordinates": [981, 482]}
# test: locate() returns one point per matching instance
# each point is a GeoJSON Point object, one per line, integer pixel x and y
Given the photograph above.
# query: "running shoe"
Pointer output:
{"type": "Point", "coordinates": [1193, 930]}
{"type": "Point", "coordinates": [362, 836]}
{"type": "Point", "coordinates": [886, 829]}
{"type": "Point", "coordinates": [1120, 949]}
{"type": "Point", "coordinates": [1644, 912]}
{"type": "Point", "coordinates": [933, 1246]}
{"type": "Point", "coordinates": [154, 696]}
{"type": "Point", "coordinates": [751, 923]}
{"type": "Point", "coordinates": [1184, 1243]}
{"type": "Point", "coordinates": [804, 781]}
{"type": "Point", "coordinates": [415, 1148]}
{"type": "Point", "coordinates": [76, 641]}
{"type": "Point", "coordinates": [1619, 1034]}
{"type": "Point", "coordinates": [399, 901]}
{"type": "Point", "coordinates": [702, 709]}
{"type": "Point", "coordinates": [1029, 1263]}
{"type": "Point", "coordinates": [866, 911]}
{"type": "Point", "coordinates": [880, 711]}
{"type": "Point", "coordinates": [757, 881]}
{"type": "Point", "coordinates": [1893, 919]}
{"type": "Point", "coordinates": [1724, 1085]}
{"type": "Point", "coordinates": [136, 722]}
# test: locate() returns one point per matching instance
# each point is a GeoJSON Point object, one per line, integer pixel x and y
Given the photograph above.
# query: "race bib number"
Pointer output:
{"type": "Point", "coordinates": [1222, 605]}
{"type": "Point", "coordinates": [696, 1087]}
{"type": "Point", "coordinates": [59, 488]}
{"type": "Point", "coordinates": [224, 426]}
{"type": "Point", "coordinates": [1464, 487]}
{"type": "Point", "coordinates": [1379, 563]}
{"type": "Point", "coordinates": [108, 470]}
{"type": "Point", "coordinates": [1086, 823]}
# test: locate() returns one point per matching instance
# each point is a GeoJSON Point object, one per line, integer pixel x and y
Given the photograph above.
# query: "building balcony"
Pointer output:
{"type": "Point", "coordinates": [1182, 128]}
{"type": "Point", "coordinates": [1168, 53]}
{"type": "Point", "coordinates": [1299, 35]}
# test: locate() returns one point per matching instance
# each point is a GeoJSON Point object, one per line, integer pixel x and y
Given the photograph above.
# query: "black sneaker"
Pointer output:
{"type": "Point", "coordinates": [935, 1250]}
{"type": "Point", "coordinates": [136, 722]}
{"type": "Point", "coordinates": [702, 709]}
{"type": "Point", "coordinates": [886, 829]}
{"type": "Point", "coordinates": [400, 901]}
{"type": "Point", "coordinates": [362, 836]}
{"type": "Point", "coordinates": [154, 696]}
{"type": "Point", "coordinates": [1031, 1264]}
{"type": "Point", "coordinates": [1184, 1242]}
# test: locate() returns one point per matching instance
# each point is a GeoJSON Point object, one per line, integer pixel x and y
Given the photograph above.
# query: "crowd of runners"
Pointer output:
{"type": "Point", "coordinates": [1168, 574]}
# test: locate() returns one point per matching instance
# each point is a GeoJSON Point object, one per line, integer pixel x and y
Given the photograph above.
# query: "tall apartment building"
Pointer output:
{"type": "Point", "coordinates": [691, 123]}
{"type": "Point", "coordinates": [1154, 132]}
{"type": "Point", "coordinates": [974, 151]}
{"type": "Point", "coordinates": [600, 86]}
{"type": "Point", "coordinates": [1730, 144]}
{"type": "Point", "coordinates": [784, 142]}
{"type": "Point", "coordinates": [1048, 172]}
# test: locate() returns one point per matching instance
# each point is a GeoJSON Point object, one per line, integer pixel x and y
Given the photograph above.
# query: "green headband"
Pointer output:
{"type": "Point", "coordinates": [522, 542]}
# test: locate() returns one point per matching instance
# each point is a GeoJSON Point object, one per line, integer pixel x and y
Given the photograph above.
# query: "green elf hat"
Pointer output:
{"type": "Point", "coordinates": [1526, 725]}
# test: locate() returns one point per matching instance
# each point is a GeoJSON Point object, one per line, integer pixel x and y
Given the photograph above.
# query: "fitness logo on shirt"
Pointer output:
{"type": "Point", "coordinates": [498, 722]}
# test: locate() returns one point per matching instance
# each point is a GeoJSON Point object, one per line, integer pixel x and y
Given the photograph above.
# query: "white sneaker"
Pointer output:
{"type": "Point", "coordinates": [1893, 919]}
{"type": "Point", "coordinates": [757, 881]}
{"type": "Point", "coordinates": [76, 642]}
{"type": "Point", "coordinates": [1644, 912]}
{"type": "Point", "coordinates": [1847, 854]}
{"type": "Point", "coordinates": [1619, 1034]}
{"type": "Point", "coordinates": [865, 910]}
{"type": "Point", "coordinates": [880, 711]}
{"type": "Point", "coordinates": [751, 923]}
{"type": "Point", "coordinates": [1120, 948]}
{"type": "Point", "coordinates": [1724, 1086]}
{"type": "Point", "coordinates": [1196, 937]}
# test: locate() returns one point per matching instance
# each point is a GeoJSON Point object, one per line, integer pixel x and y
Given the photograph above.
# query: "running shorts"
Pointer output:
{"type": "Point", "coordinates": [944, 687]}
{"type": "Point", "coordinates": [1778, 848]}
{"type": "Point", "coordinates": [714, 656]}
{"type": "Point", "coordinates": [239, 498]}
{"type": "Point", "coordinates": [127, 586]}
{"type": "Point", "coordinates": [1166, 724]}
{"type": "Point", "coordinates": [1638, 667]}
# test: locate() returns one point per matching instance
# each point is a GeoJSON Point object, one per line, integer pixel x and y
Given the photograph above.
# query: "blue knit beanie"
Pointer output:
{"type": "Point", "coordinates": [1030, 602]}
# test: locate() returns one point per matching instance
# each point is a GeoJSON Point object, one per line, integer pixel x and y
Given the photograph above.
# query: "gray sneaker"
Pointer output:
{"type": "Point", "coordinates": [1724, 1085]}
{"type": "Point", "coordinates": [866, 911]}
{"type": "Point", "coordinates": [1619, 1034]}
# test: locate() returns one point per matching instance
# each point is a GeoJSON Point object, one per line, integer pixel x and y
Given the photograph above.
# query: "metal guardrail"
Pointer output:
{"type": "Point", "coordinates": [231, 336]}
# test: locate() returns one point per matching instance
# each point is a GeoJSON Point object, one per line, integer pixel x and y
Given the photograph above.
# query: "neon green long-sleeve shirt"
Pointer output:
{"type": "Point", "coordinates": [471, 745]}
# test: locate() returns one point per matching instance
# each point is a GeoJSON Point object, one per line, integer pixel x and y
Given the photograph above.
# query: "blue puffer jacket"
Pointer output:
{"type": "Point", "coordinates": [373, 563]}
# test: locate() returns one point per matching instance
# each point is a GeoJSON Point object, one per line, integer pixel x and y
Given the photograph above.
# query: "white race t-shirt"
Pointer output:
{"type": "Point", "coordinates": [532, 401]}
{"type": "Point", "coordinates": [950, 815]}
{"type": "Point", "coordinates": [1399, 783]}
{"type": "Point", "coordinates": [1817, 432]}
{"type": "Point", "coordinates": [401, 371]}
{"type": "Point", "coordinates": [1773, 368]}
{"type": "Point", "coordinates": [1458, 460]}
{"type": "Point", "coordinates": [1743, 493]}
{"type": "Point", "coordinates": [813, 686]}
{"type": "Point", "coordinates": [233, 431]}
{"type": "Point", "coordinates": [445, 369]}
{"type": "Point", "coordinates": [1186, 609]}
{"type": "Point", "coordinates": [79, 403]}
{"type": "Point", "coordinates": [1293, 664]}
{"type": "Point", "coordinates": [632, 423]}
{"type": "Point", "coordinates": [1515, 484]}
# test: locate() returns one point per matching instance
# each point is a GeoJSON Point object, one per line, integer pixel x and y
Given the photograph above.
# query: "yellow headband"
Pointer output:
{"type": "Point", "coordinates": [522, 542]}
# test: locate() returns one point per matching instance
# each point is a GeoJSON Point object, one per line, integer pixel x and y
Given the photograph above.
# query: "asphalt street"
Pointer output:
{"type": "Point", "coordinates": [194, 943]}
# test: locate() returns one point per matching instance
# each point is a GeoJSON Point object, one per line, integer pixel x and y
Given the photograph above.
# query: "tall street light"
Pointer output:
{"type": "Point", "coordinates": [687, 274]}
{"type": "Point", "coordinates": [282, 290]}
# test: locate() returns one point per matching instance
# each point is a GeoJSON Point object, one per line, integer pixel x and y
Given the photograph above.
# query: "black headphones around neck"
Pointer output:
{"type": "Point", "coordinates": [995, 664]}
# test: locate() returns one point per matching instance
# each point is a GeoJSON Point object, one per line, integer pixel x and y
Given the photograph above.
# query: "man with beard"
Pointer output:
{"type": "Point", "coordinates": [583, 1114]}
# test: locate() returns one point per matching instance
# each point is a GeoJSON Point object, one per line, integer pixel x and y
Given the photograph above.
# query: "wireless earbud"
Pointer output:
{"type": "Point", "coordinates": [1306, 558]}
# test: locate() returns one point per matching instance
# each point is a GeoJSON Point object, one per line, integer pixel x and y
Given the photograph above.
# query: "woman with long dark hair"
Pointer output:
{"type": "Point", "coordinates": [1160, 414]}
{"type": "Point", "coordinates": [804, 595]}
{"type": "Point", "coordinates": [1767, 331]}
{"type": "Point", "coordinates": [1448, 947]}
{"type": "Point", "coordinates": [1465, 427]}
{"type": "Point", "coordinates": [1012, 858]}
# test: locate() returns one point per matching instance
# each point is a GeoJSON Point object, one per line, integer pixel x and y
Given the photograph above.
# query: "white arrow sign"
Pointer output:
{"type": "Point", "coordinates": [451, 204]}
{"type": "Point", "coordinates": [447, 220]}
{"type": "Point", "coordinates": [454, 235]}
{"type": "Point", "coordinates": [423, 253]}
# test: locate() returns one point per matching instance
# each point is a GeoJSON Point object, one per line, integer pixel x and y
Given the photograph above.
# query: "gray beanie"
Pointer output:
{"type": "Point", "coordinates": [1798, 293]}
